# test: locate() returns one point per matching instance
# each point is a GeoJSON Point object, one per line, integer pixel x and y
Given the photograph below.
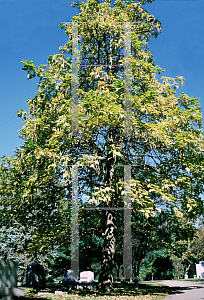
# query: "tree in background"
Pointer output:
{"type": "Point", "coordinates": [197, 244]}
{"type": "Point", "coordinates": [164, 146]}
{"type": "Point", "coordinates": [148, 235]}
{"type": "Point", "coordinates": [14, 243]}
{"type": "Point", "coordinates": [156, 265]}
{"type": "Point", "coordinates": [189, 251]}
{"type": "Point", "coordinates": [160, 238]}
{"type": "Point", "coordinates": [44, 213]}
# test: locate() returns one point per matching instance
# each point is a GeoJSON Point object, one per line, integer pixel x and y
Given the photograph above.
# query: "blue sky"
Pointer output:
{"type": "Point", "coordinates": [30, 30]}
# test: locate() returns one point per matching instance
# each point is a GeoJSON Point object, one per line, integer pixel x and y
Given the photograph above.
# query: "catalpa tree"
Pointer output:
{"type": "Point", "coordinates": [104, 111]}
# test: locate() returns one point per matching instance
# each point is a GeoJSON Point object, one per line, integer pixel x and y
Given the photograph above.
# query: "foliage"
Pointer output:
{"type": "Point", "coordinates": [186, 253]}
{"type": "Point", "coordinates": [48, 219]}
{"type": "Point", "coordinates": [14, 244]}
{"type": "Point", "coordinates": [164, 148]}
{"type": "Point", "coordinates": [167, 141]}
{"type": "Point", "coordinates": [178, 267]}
{"type": "Point", "coordinates": [183, 250]}
{"type": "Point", "coordinates": [163, 268]}
{"type": "Point", "coordinates": [197, 244]}
{"type": "Point", "coordinates": [148, 265]}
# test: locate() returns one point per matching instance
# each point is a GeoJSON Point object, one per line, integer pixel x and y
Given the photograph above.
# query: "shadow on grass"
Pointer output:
{"type": "Point", "coordinates": [119, 290]}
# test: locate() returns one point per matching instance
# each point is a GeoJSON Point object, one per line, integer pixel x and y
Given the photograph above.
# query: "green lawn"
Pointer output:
{"type": "Point", "coordinates": [144, 292]}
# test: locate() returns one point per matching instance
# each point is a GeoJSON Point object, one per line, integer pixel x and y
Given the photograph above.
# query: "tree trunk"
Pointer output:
{"type": "Point", "coordinates": [118, 273]}
{"type": "Point", "coordinates": [23, 275]}
{"type": "Point", "coordinates": [187, 267]}
{"type": "Point", "coordinates": [136, 273]}
{"type": "Point", "coordinates": [117, 267]}
{"type": "Point", "coordinates": [105, 282]}
{"type": "Point", "coordinates": [186, 272]}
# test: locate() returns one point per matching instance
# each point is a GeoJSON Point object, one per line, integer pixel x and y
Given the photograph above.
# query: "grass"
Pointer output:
{"type": "Point", "coordinates": [143, 292]}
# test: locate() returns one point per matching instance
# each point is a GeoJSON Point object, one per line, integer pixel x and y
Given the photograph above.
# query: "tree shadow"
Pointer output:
{"type": "Point", "coordinates": [181, 290]}
{"type": "Point", "coordinates": [120, 289]}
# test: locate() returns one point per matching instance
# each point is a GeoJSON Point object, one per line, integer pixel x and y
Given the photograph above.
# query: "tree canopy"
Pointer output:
{"type": "Point", "coordinates": [164, 146]}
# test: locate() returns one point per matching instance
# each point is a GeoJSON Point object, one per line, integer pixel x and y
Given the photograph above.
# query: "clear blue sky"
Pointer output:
{"type": "Point", "coordinates": [29, 29]}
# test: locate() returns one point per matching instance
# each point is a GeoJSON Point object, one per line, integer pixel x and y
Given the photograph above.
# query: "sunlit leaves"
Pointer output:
{"type": "Point", "coordinates": [165, 151]}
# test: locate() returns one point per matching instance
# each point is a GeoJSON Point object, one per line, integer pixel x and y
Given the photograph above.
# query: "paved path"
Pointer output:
{"type": "Point", "coordinates": [184, 290]}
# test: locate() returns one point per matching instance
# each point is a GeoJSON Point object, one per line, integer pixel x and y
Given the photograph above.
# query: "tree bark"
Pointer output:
{"type": "Point", "coordinates": [136, 273]}
{"type": "Point", "coordinates": [186, 272]}
{"type": "Point", "coordinates": [105, 282]}
{"type": "Point", "coordinates": [23, 275]}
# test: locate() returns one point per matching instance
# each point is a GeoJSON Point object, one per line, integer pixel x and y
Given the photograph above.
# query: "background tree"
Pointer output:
{"type": "Point", "coordinates": [44, 210]}
{"type": "Point", "coordinates": [197, 244]}
{"type": "Point", "coordinates": [14, 243]}
{"type": "Point", "coordinates": [156, 265]}
{"type": "Point", "coordinates": [187, 252]}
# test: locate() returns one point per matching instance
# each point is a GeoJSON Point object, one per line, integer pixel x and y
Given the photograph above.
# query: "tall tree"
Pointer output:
{"type": "Point", "coordinates": [164, 146]}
